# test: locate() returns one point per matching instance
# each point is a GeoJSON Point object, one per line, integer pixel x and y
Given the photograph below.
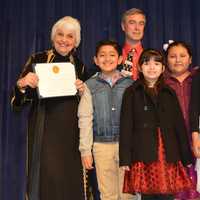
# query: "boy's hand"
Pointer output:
{"type": "Point", "coordinates": [87, 162]}
{"type": "Point", "coordinates": [127, 168]}
{"type": "Point", "coordinates": [80, 86]}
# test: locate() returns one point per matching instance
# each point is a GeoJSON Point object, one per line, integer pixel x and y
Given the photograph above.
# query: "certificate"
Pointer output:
{"type": "Point", "coordinates": [55, 79]}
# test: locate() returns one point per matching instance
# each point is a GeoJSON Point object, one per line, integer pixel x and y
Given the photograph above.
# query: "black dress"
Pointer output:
{"type": "Point", "coordinates": [54, 160]}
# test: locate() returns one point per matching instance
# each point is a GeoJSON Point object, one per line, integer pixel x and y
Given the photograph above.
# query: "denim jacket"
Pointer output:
{"type": "Point", "coordinates": [105, 110]}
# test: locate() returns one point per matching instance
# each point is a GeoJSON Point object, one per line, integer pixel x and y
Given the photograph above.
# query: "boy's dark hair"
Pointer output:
{"type": "Point", "coordinates": [112, 43]}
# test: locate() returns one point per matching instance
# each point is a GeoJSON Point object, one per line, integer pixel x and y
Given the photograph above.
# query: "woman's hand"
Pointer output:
{"type": "Point", "coordinates": [31, 80]}
{"type": "Point", "coordinates": [87, 162]}
{"type": "Point", "coordinates": [80, 86]}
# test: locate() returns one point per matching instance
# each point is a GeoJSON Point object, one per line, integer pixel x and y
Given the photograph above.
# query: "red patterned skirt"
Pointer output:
{"type": "Point", "coordinates": [158, 177]}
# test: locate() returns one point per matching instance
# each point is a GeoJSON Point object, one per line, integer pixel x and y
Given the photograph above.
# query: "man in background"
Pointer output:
{"type": "Point", "coordinates": [133, 24]}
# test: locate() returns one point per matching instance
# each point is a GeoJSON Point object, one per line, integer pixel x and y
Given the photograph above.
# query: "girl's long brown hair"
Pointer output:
{"type": "Point", "coordinates": [156, 55]}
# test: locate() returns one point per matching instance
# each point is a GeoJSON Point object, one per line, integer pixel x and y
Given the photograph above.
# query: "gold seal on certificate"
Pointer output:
{"type": "Point", "coordinates": [55, 79]}
{"type": "Point", "coordinates": [55, 69]}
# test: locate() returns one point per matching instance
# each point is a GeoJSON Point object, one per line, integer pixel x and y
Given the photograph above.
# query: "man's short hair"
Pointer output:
{"type": "Point", "coordinates": [132, 11]}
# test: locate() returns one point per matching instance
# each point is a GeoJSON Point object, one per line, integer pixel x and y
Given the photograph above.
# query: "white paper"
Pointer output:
{"type": "Point", "coordinates": [56, 79]}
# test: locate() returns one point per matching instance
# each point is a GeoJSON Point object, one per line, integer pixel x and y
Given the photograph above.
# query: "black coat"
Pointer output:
{"type": "Point", "coordinates": [140, 118]}
{"type": "Point", "coordinates": [195, 103]}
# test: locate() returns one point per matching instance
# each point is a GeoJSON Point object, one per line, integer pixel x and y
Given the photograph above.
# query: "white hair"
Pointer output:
{"type": "Point", "coordinates": [68, 23]}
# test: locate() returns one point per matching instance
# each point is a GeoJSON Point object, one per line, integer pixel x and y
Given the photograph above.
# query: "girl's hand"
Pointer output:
{"type": "Point", "coordinates": [31, 80]}
{"type": "Point", "coordinates": [196, 144]}
{"type": "Point", "coordinates": [87, 162]}
{"type": "Point", "coordinates": [80, 86]}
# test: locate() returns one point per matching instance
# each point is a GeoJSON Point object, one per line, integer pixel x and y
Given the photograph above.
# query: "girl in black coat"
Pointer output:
{"type": "Point", "coordinates": [154, 146]}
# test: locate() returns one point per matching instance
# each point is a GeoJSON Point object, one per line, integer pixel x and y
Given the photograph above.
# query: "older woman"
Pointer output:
{"type": "Point", "coordinates": [54, 167]}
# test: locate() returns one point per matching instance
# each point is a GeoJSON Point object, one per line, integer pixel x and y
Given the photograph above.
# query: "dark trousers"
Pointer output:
{"type": "Point", "coordinates": [156, 197]}
{"type": "Point", "coordinates": [93, 184]}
